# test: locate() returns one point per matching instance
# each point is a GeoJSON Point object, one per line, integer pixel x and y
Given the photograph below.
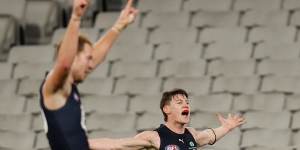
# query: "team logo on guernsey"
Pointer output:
{"type": "Point", "coordinates": [192, 144]}
{"type": "Point", "coordinates": [76, 97]}
{"type": "Point", "coordinates": [172, 147]}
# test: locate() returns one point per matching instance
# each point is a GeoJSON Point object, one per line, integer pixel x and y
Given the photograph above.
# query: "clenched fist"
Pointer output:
{"type": "Point", "coordinates": [79, 7]}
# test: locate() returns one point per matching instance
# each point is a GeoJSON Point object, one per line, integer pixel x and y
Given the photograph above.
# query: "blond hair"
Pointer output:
{"type": "Point", "coordinates": [81, 41]}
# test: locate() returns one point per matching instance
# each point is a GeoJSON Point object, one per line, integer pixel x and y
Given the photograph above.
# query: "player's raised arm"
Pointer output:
{"type": "Point", "coordinates": [67, 49]}
{"type": "Point", "coordinates": [103, 45]}
{"type": "Point", "coordinates": [210, 136]}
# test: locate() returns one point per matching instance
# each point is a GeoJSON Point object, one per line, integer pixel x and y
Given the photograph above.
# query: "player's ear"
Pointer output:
{"type": "Point", "coordinates": [167, 109]}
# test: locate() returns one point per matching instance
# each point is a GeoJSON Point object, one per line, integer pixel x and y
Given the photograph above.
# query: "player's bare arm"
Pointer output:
{"type": "Point", "coordinates": [127, 16]}
{"type": "Point", "coordinates": [66, 54]}
{"type": "Point", "coordinates": [210, 136]}
{"type": "Point", "coordinates": [119, 144]}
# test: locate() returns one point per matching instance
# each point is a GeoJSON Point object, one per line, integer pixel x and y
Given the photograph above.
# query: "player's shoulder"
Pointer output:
{"type": "Point", "coordinates": [147, 134]}
{"type": "Point", "coordinates": [151, 136]}
{"type": "Point", "coordinates": [191, 129]}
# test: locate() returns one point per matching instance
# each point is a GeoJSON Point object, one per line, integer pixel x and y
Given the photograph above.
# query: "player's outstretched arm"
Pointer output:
{"type": "Point", "coordinates": [103, 45]}
{"type": "Point", "coordinates": [210, 136]}
{"type": "Point", "coordinates": [119, 144]}
{"type": "Point", "coordinates": [67, 49]}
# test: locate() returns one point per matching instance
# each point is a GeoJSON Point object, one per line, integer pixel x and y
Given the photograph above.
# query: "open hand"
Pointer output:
{"type": "Point", "coordinates": [231, 122]}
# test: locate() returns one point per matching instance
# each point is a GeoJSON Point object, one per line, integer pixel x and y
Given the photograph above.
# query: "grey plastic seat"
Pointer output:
{"type": "Point", "coordinates": [296, 139]}
{"type": "Point", "coordinates": [244, 85]}
{"type": "Point", "coordinates": [257, 5]}
{"type": "Point", "coordinates": [6, 70]}
{"type": "Point", "coordinates": [33, 105]}
{"type": "Point", "coordinates": [24, 140]}
{"type": "Point", "coordinates": [173, 35]}
{"type": "Point", "coordinates": [273, 34]}
{"type": "Point", "coordinates": [215, 19]}
{"type": "Point", "coordinates": [34, 85]}
{"type": "Point", "coordinates": [8, 87]}
{"type": "Point", "coordinates": [267, 138]}
{"type": "Point", "coordinates": [179, 51]}
{"type": "Point", "coordinates": [8, 35]}
{"type": "Point", "coordinates": [41, 18]}
{"type": "Point", "coordinates": [32, 54]}
{"type": "Point", "coordinates": [160, 5]}
{"type": "Point", "coordinates": [92, 34]}
{"type": "Point", "coordinates": [208, 5]}
{"type": "Point", "coordinates": [111, 122]}
{"type": "Point", "coordinates": [269, 148]}
{"type": "Point", "coordinates": [211, 103]}
{"type": "Point", "coordinates": [134, 69]}
{"type": "Point", "coordinates": [293, 102]}
{"type": "Point", "coordinates": [101, 71]}
{"type": "Point", "coordinates": [295, 19]}
{"type": "Point", "coordinates": [38, 123]}
{"type": "Point", "coordinates": [94, 6]}
{"type": "Point", "coordinates": [15, 8]}
{"type": "Point", "coordinates": [281, 84]}
{"type": "Point", "coordinates": [296, 121]}
{"type": "Point", "coordinates": [272, 102]}
{"type": "Point", "coordinates": [12, 105]}
{"type": "Point", "coordinates": [177, 68]}
{"type": "Point", "coordinates": [137, 86]}
{"type": "Point", "coordinates": [42, 141]}
{"type": "Point", "coordinates": [291, 4]}
{"type": "Point", "coordinates": [128, 52]}
{"type": "Point", "coordinates": [204, 120]}
{"type": "Point", "coordinates": [148, 104]}
{"type": "Point", "coordinates": [17, 123]}
{"type": "Point", "coordinates": [138, 36]}
{"type": "Point", "coordinates": [149, 121]}
{"type": "Point", "coordinates": [105, 20]}
{"type": "Point", "coordinates": [277, 50]}
{"type": "Point", "coordinates": [267, 120]}
{"type": "Point", "coordinates": [195, 86]}
{"type": "Point", "coordinates": [97, 86]}
{"type": "Point", "coordinates": [228, 51]}
{"type": "Point", "coordinates": [31, 70]}
{"type": "Point", "coordinates": [232, 67]}
{"type": "Point", "coordinates": [265, 18]}
{"type": "Point", "coordinates": [221, 34]}
{"type": "Point", "coordinates": [112, 134]}
{"type": "Point", "coordinates": [167, 19]}
{"type": "Point", "coordinates": [279, 67]}
{"type": "Point", "coordinates": [231, 142]}
{"type": "Point", "coordinates": [104, 104]}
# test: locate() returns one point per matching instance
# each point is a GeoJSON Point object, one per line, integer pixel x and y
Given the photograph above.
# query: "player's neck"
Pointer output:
{"type": "Point", "coordinates": [70, 79]}
{"type": "Point", "coordinates": [176, 127]}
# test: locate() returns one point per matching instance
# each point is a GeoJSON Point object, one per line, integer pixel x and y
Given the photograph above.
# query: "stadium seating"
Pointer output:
{"type": "Point", "coordinates": [232, 56]}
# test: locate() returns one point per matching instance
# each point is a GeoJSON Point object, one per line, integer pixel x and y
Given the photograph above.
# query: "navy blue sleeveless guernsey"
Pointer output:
{"type": "Point", "coordinates": [65, 127]}
{"type": "Point", "coordinates": [170, 140]}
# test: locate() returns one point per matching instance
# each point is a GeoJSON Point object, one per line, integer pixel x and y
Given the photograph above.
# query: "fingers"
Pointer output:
{"type": "Point", "coordinates": [229, 116]}
{"type": "Point", "coordinates": [129, 4]}
{"type": "Point", "coordinates": [242, 122]}
{"type": "Point", "coordinates": [220, 117]}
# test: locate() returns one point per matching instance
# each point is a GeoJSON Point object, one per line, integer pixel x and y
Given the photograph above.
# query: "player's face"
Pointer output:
{"type": "Point", "coordinates": [83, 63]}
{"type": "Point", "coordinates": [179, 109]}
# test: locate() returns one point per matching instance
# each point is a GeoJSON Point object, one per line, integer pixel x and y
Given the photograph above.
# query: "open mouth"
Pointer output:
{"type": "Point", "coordinates": [185, 112]}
